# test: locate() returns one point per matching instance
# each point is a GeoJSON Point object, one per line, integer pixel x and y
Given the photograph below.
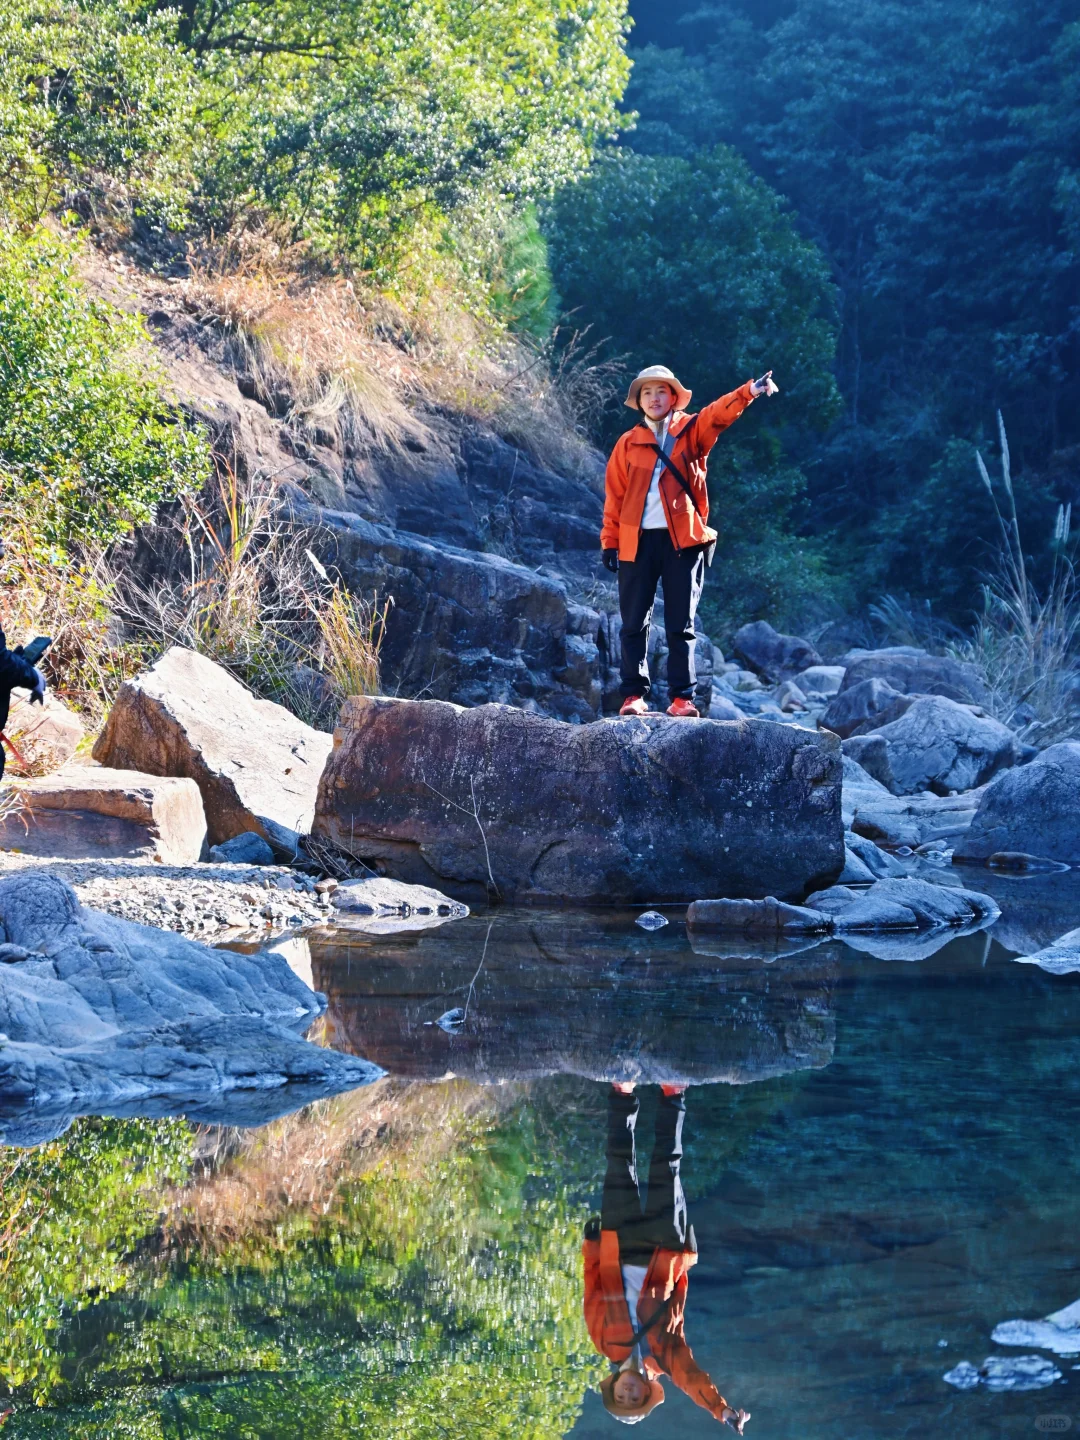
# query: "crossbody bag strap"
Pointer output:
{"type": "Point", "coordinates": [679, 476]}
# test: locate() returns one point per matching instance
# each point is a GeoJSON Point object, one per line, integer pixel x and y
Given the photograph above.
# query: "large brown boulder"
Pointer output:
{"type": "Point", "coordinates": [255, 763]}
{"type": "Point", "coordinates": [495, 800]}
{"type": "Point", "coordinates": [87, 812]}
{"type": "Point", "coordinates": [575, 994]}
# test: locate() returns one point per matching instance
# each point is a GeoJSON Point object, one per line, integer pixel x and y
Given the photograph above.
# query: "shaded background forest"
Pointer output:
{"type": "Point", "coordinates": [896, 185]}
{"type": "Point", "coordinates": [520, 203]}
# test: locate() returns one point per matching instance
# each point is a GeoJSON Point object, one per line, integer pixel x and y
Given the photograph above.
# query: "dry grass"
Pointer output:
{"type": "Point", "coordinates": [328, 355]}
{"type": "Point", "coordinates": [1027, 645]}
{"type": "Point", "coordinates": [351, 631]}
{"type": "Point", "coordinates": [41, 593]}
{"type": "Point", "coordinates": [247, 1183]}
{"type": "Point", "coordinates": [254, 598]}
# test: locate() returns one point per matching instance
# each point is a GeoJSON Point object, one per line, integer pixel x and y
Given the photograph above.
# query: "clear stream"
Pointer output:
{"type": "Point", "coordinates": [882, 1164]}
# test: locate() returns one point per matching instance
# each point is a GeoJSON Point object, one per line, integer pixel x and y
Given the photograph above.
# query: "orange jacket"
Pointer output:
{"type": "Point", "coordinates": [630, 470]}
{"type": "Point", "coordinates": [608, 1316]}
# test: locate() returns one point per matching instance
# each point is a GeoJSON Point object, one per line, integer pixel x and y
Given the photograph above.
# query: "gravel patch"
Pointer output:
{"type": "Point", "coordinates": [206, 902]}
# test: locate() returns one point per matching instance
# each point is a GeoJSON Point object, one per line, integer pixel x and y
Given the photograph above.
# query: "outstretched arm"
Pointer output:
{"type": "Point", "coordinates": [714, 419]}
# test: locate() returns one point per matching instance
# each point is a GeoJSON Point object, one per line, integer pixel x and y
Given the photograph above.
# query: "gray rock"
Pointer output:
{"type": "Point", "coordinates": [904, 904]}
{"type": "Point", "coordinates": [768, 653]}
{"type": "Point", "coordinates": [87, 812]}
{"type": "Point", "coordinates": [789, 697]}
{"type": "Point", "coordinates": [856, 709]}
{"type": "Point", "coordinates": [824, 680]}
{"type": "Point", "coordinates": [381, 906]}
{"type": "Point", "coordinates": [1034, 809]}
{"type": "Point", "coordinates": [880, 864]}
{"type": "Point", "coordinates": [464, 626]}
{"type": "Point", "coordinates": [855, 871]}
{"type": "Point", "coordinates": [247, 848]}
{"type": "Point", "coordinates": [253, 761]}
{"type": "Point", "coordinates": [439, 795]}
{"type": "Point", "coordinates": [937, 745]}
{"type": "Point", "coordinates": [1000, 1373]}
{"type": "Point", "coordinates": [916, 672]}
{"type": "Point", "coordinates": [723, 708]}
{"type": "Point", "coordinates": [1059, 1333]}
{"type": "Point", "coordinates": [107, 1014]}
{"type": "Point", "coordinates": [754, 917]}
{"type": "Point", "coordinates": [910, 820]}
{"type": "Point", "coordinates": [1060, 958]}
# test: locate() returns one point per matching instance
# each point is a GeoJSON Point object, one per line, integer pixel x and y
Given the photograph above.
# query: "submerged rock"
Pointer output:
{"type": "Point", "coordinates": [903, 904]}
{"type": "Point", "coordinates": [496, 800]}
{"type": "Point", "coordinates": [1060, 958]}
{"type": "Point", "coordinates": [1059, 1333]}
{"type": "Point", "coordinates": [1034, 809]}
{"type": "Point", "coordinates": [253, 761]}
{"type": "Point", "coordinates": [757, 917]}
{"type": "Point", "coordinates": [937, 745]}
{"type": "Point", "coordinates": [112, 1017]}
{"type": "Point", "coordinates": [775, 656]}
{"type": "Point", "coordinates": [1004, 1372]}
{"type": "Point", "coordinates": [381, 906]}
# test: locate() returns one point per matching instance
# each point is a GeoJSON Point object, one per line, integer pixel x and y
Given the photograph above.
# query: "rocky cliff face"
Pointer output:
{"type": "Point", "coordinates": [492, 560]}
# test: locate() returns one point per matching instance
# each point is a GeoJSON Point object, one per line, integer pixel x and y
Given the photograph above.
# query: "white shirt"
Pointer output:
{"type": "Point", "coordinates": [633, 1278]}
{"type": "Point", "coordinates": [653, 517]}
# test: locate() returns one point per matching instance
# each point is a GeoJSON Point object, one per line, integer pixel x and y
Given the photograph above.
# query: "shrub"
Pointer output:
{"type": "Point", "coordinates": [88, 444]}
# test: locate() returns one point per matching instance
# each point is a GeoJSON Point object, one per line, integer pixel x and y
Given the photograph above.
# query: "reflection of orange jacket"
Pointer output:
{"type": "Point", "coordinates": [608, 1316]}
{"type": "Point", "coordinates": [630, 472]}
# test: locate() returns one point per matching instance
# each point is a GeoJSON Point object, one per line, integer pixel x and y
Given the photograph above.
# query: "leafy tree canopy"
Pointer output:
{"type": "Point", "coordinates": [696, 263]}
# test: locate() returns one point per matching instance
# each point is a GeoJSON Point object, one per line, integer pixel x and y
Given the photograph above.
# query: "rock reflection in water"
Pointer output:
{"type": "Point", "coordinates": [586, 995]}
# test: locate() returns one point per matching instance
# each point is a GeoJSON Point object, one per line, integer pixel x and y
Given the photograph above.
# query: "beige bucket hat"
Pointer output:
{"type": "Point", "coordinates": [624, 1412]}
{"type": "Point", "coordinates": [657, 372]}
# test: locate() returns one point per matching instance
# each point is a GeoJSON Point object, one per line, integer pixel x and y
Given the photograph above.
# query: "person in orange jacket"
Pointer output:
{"type": "Point", "coordinates": [655, 526]}
{"type": "Point", "coordinates": [637, 1262]}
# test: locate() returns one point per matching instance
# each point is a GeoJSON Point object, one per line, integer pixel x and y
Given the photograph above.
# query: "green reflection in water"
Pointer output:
{"type": "Point", "coordinates": [437, 1294]}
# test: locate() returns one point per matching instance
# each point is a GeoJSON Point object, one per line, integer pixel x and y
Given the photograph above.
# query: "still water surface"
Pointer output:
{"type": "Point", "coordinates": [882, 1163]}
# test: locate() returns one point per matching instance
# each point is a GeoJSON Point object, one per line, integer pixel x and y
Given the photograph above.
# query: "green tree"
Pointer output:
{"type": "Point", "coordinates": [697, 264]}
{"type": "Point", "coordinates": [931, 150]}
{"type": "Point", "coordinates": [70, 1213]}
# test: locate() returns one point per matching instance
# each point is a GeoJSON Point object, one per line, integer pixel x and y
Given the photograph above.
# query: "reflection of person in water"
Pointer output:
{"type": "Point", "coordinates": [636, 1263]}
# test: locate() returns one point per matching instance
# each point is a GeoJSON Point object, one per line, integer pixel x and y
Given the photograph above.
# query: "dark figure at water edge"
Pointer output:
{"type": "Point", "coordinates": [16, 672]}
{"type": "Point", "coordinates": [637, 1262]}
{"type": "Point", "coordinates": [655, 530]}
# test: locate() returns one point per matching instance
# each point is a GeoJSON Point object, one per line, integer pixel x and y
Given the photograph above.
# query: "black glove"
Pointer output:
{"type": "Point", "coordinates": [611, 560]}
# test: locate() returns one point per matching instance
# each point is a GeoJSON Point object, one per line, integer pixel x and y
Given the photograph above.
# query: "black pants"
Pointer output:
{"type": "Point", "coordinates": [661, 1219]}
{"type": "Point", "coordinates": [682, 573]}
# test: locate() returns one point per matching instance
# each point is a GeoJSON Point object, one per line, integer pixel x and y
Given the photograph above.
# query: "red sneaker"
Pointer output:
{"type": "Point", "coordinates": [636, 705]}
{"type": "Point", "coordinates": [683, 709]}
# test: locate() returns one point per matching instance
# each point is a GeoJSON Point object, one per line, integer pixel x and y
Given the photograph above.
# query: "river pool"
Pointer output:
{"type": "Point", "coordinates": [881, 1163]}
